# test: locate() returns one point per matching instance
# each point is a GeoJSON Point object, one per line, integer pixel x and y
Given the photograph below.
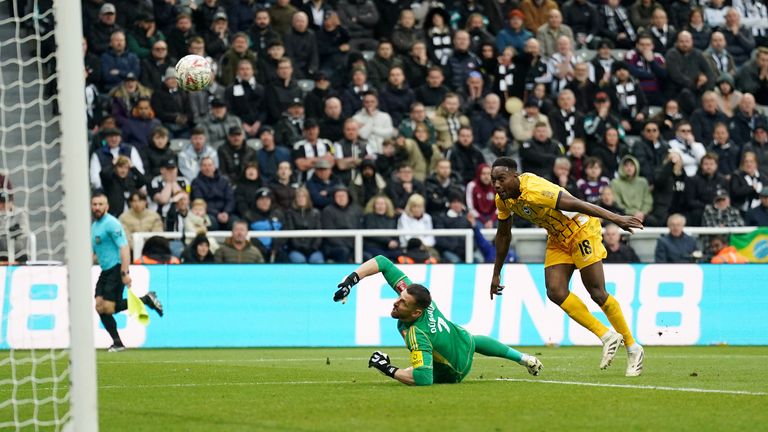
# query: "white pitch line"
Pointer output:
{"type": "Point", "coordinates": [241, 384]}
{"type": "Point", "coordinates": [631, 386]}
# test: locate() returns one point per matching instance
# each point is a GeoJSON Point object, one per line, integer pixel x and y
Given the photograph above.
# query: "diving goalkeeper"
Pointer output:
{"type": "Point", "coordinates": [441, 351]}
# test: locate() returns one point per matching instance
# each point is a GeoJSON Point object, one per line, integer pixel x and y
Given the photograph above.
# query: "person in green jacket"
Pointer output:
{"type": "Point", "coordinates": [632, 191]}
{"type": "Point", "coordinates": [441, 351]}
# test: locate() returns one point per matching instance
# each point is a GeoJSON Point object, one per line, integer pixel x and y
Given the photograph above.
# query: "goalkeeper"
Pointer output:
{"type": "Point", "coordinates": [441, 351]}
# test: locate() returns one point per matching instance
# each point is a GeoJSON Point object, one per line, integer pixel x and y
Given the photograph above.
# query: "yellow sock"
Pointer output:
{"type": "Point", "coordinates": [577, 310]}
{"type": "Point", "coordinates": [612, 310]}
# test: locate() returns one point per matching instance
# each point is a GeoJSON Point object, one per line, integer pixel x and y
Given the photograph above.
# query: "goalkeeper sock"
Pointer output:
{"type": "Point", "coordinates": [121, 305]}
{"type": "Point", "coordinates": [491, 347]}
{"type": "Point", "coordinates": [577, 310]}
{"type": "Point", "coordinates": [111, 326]}
{"type": "Point", "coordinates": [612, 310]}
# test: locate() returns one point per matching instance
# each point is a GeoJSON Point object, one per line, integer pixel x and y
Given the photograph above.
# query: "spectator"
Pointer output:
{"type": "Point", "coordinates": [418, 116]}
{"type": "Point", "coordinates": [417, 152]}
{"type": "Point", "coordinates": [217, 37]}
{"type": "Point", "coordinates": [375, 126]}
{"type": "Point", "coordinates": [156, 250]}
{"type": "Point", "coordinates": [289, 129]}
{"type": "Point", "coordinates": [478, 34]}
{"type": "Point", "coordinates": [616, 26]}
{"type": "Point", "coordinates": [340, 214]}
{"type": "Point", "coordinates": [310, 150]}
{"type": "Point", "coordinates": [539, 153]}
{"type": "Point", "coordinates": [686, 145]}
{"type": "Point", "coordinates": [280, 16]}
{"type": "Point", "coordinates": [403, 186]}
{"type": "Point", "coordinates": [138, 218]}
{"type": "Point", "coordinates": [230, 61]}
{"type": "Point", "coordinates": [143, 35]}
{"type": "Point", "coordinates": [440, 185]}
{"type": "Point", "coordinates": [480, 198]}
{"type": "Point", "coordinates": [235, 155]}
{"type": "Point", "coordinates": [216, 192]}
{"type": "Point", "coordinates": [464, 155]}
{"type": "Point", "coordinates": [405, 34]}
{"type": "Point", "coordinates": [728, 97]}
{"type": "Point", "coordinates": [714, 13]}
{"type": "Point", "coordinates": [416, 65]}
{"type": "Point", "coordinates": [153, 67]}
{"type": "Point", "coordinates": [267, 63]}
{"type": "Point", "coordinates": [577, 156]}
{"type": "Point", "coordinates": [668, 119]}
{"type": "Point", "coordinates": [649, 68]}
{"type": "Point", "coordinates": [689, 72]}
{"type": "Point", "coordinates": [172, 106]}
{"type": "Point", "coordinates": [549, 34]}
{"type": "Point", "coordinates": [112, 147]}
{"type": "Point", "coordinates": [218, 123]}
{"type": "Point", "coordinates": [198, 252]}
{"type": "Point", "coordinates": [448, 120]}
{"type": "Point", "coordinates": [738, 38]}
{"type": "Point", "coordinates": [453, 249]}
{"type": "Point", "coordinates": [720, 60]}
{"type": "Point", "coordinates": [720, 213]}
{"type": "Point", "coordinates": [618, 250]}
{"type": "Point", "coordinates": [270, 156]}
{"type": "Point", "coordinates": [593, 183]}
{"type": "Point", "coordinates": [157, 153]}
{"type": "Point", "coordinates": [758, 216]}
{"type": "Point", "coordinates": [314, 102]}
{"type": "Point", "coordinates": [703, 120]}
{"type": "Point", "coordinates": [322, 184]}
{"type": "Point", "coordinates": [282, 92]}
{"type": "Point", "coordinates": [303, 216]}
{"type": "Point", "coordinates": [350, 151]}
{"type": "Point", "coordinates": [500, 145]}
{"type": "Point", "coordinates": [119, 180]}
{"type": "Point", "coordinates": [608, 201]}
{"type": "Point", "coordinates": [352, 96]}
{"type": "Point", "coordinates": [414, 218]}
{"type": "Point", "coordinates": [367, 183]}
{"type": "Point", "coordinates": [560, 175]}
{"type": "Point", "coordinates": [100, 33]}
{"type": "Point", "coordinates": [535, 12]}
{"type": "Point", "coordinates": [583, 19]}
{"type": "Point", "coordinates": [237, 249]}
{"type": "Point", "coordinates": [747, 183]}
{"type": "Point", "coordinates": [265, 216]}
{"type": "Point", "coordinates": [676, 246]}
{"type": "Point", "coordinates": [704, 187]}
{"type": "Point", "coordinates": [522, 123]}
{"type": "Point", "coordinates": [724, 254]}
{"type": "Point", "coordinates": [514, 34]}
{"type": "Point", "coordinates": [438, 31]}
{"type": "Point", "coordinates": [627, 97]}
{"type": "Point", "coordinates": [599, 120]}
{"type": "Point", "coordinates": [261, 33]}
{"type": "Point", "coordinates": [484, 122]}
{"type": "Point", "coordinates": [754, 14]}
{"type": "Point", "coordinates": [138, 128]}
{"type": "Point", "coordinates": [640, 13]}
{"type": "Point", "coordinates": [194, 152]}
{"type": "Point", "coordinates": [744, 122]}
{"type": "Point", "coordinates": [434, 92]}
{"type": "Point", "coordinates": [247, 190]}
{"type": "Point", "coordinates": [650, 151]}
{"type": "Point", "coordinates": [379, 213]}
{"type": "Point", "coordinates": [669, 190]}
{"type": "Point", "coordinates": [301, 46]}
{"type": "Point", "coordinates": [632, 191]}
{"type": "Point", "coordinates": [664, 35]}
{"type": "Point", "coordinates": [180, 35]}
{"type": "Point", "coordinates": [332, 121]}
{"type": "Point", "coordinates": [759, 145]}
{"type": "Point", "coordinates": [583, 89]}
{"type": "Point", "coordinates": [610, 151]}
{"type": "Point", "coordinates": [117, 62]}
{"type": "Point", "coordinates": [753, 76]}
{"type": "Point", "coordinates": [381, 63]}
{"type": "Point", "coordinates": [396, 96]}
{"type": "Point", "coordinates": [566, 122]}
{"type": "Point", "coordinates": [726, 151]}
{"type": "Point", "coordinates": [284, 185]}
{"type": "Point", "coordinates": [679, 11]}
{"type": "Point", "coordinates": [472, 93]}
{"type": "Point", "coordinates": [245, 98]}
{"type": "Point", "coordinates": [167, 187]}
{"type": "Point", "coordinates": [359, 17]}
{"type": "Point", "coordinates": [461, 62]}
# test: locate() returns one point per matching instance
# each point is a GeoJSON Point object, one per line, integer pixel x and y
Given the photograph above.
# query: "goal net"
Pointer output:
{"type": "Point", "coordinates": [40, 364]}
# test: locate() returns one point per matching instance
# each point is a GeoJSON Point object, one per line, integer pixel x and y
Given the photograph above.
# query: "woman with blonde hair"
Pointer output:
{"type": "Point", "coordinates": [415, 218]}
{"type": "Point", "coordinates": [379, 213]}
{"type": "Point", "coordinates": [303, 216]}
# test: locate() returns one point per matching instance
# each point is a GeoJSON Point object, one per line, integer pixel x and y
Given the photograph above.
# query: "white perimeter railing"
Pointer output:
{"type": "Point", "coordinates": [530, 243]}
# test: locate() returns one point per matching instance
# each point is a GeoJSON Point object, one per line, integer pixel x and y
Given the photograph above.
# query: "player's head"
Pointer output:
{"type": "Point", "coordinates": [504, 176]}
{"type": "Point", "coordinates": [411, 303]}
{"type": "Point", "coordinates": [99, 205]}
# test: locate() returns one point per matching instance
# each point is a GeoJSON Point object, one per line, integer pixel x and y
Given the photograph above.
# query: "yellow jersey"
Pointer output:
{"type": "Point", "coordinates": [537, 203]}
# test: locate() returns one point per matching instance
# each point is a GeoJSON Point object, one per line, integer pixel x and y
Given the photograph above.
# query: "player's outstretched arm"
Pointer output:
{"type": "Point", "coordinates": [503, 238]}
{"type": "Point", "coordinates": [380, 263]}
{"type": "Point", "coordinates": [418, 376]}
{"type": "Point", "coordinates": [569, 203]}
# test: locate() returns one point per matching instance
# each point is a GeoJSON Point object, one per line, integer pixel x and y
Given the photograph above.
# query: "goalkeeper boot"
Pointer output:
{"type": "Point", "coordinates": [611, 343]}
{"type": "Point", "coordinates": [635, 355]}
{"type": "Point", "coordinates": [153, 302]}
{"type": "Point", "coordinates": [533, 365]}
{"type": "Point", "coordinates": [116, 348]}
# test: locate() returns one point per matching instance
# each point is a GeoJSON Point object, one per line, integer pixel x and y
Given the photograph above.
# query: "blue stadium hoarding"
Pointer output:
{"type": "Point", "coordinates": [290, 305]}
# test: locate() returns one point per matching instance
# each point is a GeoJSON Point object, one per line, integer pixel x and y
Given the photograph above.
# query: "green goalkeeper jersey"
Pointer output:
{"type": "Point", "coordinates": [441, 351]}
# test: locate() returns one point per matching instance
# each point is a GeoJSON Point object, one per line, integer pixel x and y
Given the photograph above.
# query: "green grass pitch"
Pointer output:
{"type": "Point", "coordinates": [331, 389]}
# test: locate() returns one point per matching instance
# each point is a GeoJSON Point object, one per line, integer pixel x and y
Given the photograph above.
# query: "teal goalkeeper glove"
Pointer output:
{"type": "Point", "coordinates": [346, 286]}
{"type": "Point", "coordinates": [380, 361]}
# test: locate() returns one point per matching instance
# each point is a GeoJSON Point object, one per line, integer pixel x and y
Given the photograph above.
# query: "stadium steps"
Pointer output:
{"type": "Point", "coordinates": [29, 149]}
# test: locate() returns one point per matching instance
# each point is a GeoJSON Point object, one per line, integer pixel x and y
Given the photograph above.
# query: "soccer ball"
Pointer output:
{"type": "Point", "coordinates": [193, 73]}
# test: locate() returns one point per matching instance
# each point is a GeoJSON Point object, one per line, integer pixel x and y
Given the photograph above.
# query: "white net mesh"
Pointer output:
{"type": "Point", "coordinates": [34, 378]}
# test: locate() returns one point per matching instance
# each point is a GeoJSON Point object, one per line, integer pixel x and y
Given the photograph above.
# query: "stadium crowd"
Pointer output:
{"type": "Point", "coordinates": [357, 114]}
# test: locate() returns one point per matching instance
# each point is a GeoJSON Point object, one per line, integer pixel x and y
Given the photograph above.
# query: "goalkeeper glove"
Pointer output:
{"type": "Point", "coordinates": [346, 286]}
{"type": "Point", "coordinates": [380, 361]}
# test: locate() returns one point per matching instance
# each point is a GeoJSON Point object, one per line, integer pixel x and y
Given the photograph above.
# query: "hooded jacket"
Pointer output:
{"type": "Point", "coordinates": [632, 193]}
{"type": "Point", "coordinates": [481, 198]}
